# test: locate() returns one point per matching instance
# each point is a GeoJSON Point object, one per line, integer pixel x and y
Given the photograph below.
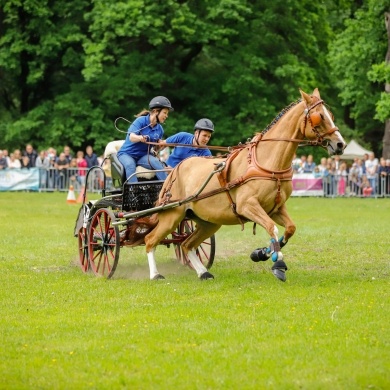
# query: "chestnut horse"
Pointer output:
{"type": "Point", "coordinates": [252, 184]}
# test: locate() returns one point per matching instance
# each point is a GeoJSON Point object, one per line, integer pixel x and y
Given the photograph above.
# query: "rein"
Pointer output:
{"type": "Point", "coordinates": [220, 148]}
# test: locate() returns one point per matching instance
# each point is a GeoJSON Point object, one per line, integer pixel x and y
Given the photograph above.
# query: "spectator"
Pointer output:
{"type": "Point", "coordinates": [43, 163]}
{"type": "Point", "coordinates": [52, 155]}
{"type": "Point", "coordinates": [372, 171]}
{"type": "Point", "coordinates": [73, 173]}
{"type": "Point", "coordinates": [14, 162]}
{"type": "Point", "coordinates": [308, 165]}
{"type": "Point", "coordinates": [296, 163]}
{"type": "Point", "coordinates": [91, 157]}
{"type": "Point", "coordinates": [68, 153]}
{"type": "Point", "coordinates": [342, 175]}
{"type": "Point", "coordinates": [303, 162]}
{"type": "Point", "coordinates": [83, 166]}
{"type": "Point", "coordinates": [18, 156]}
{"type": "Point", "coordinates": [330, 178]}
{"type": "Point", "coordinates": [31, 154]}
{"type": "Point", "coordinates": [3, 161]}
{"type": "Point", "coordinates": [355, 178]}
{"type": "Point", "coordinates": [366, 186]}
{"type": "Point", "coordinates": [61, 166]}
{"type": "Point", "coordinates": [322, 166]}
{"type": "Point", "coordinates": [25, 162]}
{"type": "Point", "coordinates": [337, 161]}
{"type": "Point", "coordinates": [365, 158]}
{"type": "Point", "coordinates": [6, 156]}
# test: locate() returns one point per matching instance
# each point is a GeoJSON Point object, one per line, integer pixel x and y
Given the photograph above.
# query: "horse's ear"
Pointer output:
{"type": "Point", "coordinates": [305, 97]}
{"type": "Point", "coordinates": [316, 93]}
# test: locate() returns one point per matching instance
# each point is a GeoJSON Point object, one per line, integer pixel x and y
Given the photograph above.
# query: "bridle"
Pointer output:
{"type": "Point", "coordinates": [314, 120]}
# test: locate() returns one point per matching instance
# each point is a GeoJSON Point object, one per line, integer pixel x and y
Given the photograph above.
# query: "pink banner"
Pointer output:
{"type": "Point", "coordinates": [305, 184]}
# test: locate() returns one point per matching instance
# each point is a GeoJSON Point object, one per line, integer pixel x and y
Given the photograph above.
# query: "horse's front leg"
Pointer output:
{"type": "Point", "coordinates": [282, 218]}
{"type": "Point", "coordinates": [253, 211]}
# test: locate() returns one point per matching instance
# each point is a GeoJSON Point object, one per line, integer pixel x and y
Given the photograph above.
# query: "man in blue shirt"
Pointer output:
{"type": "Point", "coordinates": [203, 130]}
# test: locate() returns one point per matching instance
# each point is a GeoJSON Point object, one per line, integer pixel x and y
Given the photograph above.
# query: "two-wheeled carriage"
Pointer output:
{"type": "Point", "coordinates": [119, 219]}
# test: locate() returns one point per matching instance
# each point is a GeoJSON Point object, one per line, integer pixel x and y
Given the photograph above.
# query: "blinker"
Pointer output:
{"type": "Point", "coordinates": [315, 119]}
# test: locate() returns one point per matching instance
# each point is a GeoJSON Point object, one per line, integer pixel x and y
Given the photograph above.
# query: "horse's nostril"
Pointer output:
{"type": "Point", "coordinates": [341, 145]}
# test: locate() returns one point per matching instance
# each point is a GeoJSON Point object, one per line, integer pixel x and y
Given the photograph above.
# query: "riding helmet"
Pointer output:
{"type": "Point", "coordinates": [204, 124]}
{"type": "Point", "coordinates": [160, 102]}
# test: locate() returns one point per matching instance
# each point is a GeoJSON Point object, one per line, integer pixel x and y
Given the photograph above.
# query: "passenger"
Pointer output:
{"type": "Point", "coordinates": [203, 131]}
{"type": "Point", "coordinates": [147, 127]}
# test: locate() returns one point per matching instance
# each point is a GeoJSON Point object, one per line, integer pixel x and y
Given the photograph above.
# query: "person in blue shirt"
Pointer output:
{"type": "Point", "coordinates": [146, 128]}
{"type": "Point", "coordinates": [203, 131]}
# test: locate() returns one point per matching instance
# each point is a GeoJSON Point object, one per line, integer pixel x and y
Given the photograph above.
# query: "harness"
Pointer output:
{"type": "Point", "coordinates": [254, 170]}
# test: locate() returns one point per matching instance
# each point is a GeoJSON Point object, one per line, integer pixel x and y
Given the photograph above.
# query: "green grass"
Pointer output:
{"type": "Point", "coordinates": [327, 327]}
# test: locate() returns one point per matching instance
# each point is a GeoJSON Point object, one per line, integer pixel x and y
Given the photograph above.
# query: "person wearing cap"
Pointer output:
{"type": "Point", "coordinates": [146, 128]}
{"type": "Point", "coordinates": [203, 130]}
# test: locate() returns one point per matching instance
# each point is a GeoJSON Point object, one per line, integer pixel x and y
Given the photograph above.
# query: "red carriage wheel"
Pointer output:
{"type": "Point", "coordinates": [205, 251]}
{"type": "Point", "coordinates": [103, 243]}
{"type": "Point", "coordinates": [83, 249]}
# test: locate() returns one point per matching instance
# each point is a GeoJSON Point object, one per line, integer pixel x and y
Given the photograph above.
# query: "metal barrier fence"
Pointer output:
{"type": "Point", "coordinates": [336, 186]}
{"type": "Point", "coordinates": [60, 180]}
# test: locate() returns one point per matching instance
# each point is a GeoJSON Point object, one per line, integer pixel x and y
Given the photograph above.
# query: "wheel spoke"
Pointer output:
{"type": "Point", "coordinates": [104, 243]}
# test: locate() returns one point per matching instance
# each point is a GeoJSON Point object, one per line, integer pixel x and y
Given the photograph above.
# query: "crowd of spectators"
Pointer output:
{"type": "Point", "coordinates": [58, 170]}
{"type": "Point", "coordinates": [362, 177]}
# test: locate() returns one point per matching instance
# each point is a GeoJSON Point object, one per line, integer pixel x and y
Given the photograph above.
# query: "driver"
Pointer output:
{"type": "Point", "coordinates": [203, 130]}
{"type": "Point", "coordinates": [147, 127]}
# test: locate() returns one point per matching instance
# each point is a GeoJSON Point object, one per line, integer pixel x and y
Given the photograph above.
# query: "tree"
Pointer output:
{"type": "Point", "coordinates": [79, 65]}
{"type": "Point", "coordinates": [353, 55]}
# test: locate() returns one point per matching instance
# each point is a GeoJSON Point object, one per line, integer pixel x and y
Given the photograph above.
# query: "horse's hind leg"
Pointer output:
{"type": "Point", "coordinates": [202, 231]}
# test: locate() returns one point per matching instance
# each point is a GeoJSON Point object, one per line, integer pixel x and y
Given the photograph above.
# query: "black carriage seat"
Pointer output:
{"type": "Point", "coordinates": [118, 173]}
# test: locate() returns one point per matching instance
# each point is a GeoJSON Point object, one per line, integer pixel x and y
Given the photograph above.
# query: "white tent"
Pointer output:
{"type": "Point", "coordinates": [354, 150]}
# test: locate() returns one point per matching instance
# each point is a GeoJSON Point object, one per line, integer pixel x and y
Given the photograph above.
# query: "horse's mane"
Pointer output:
{"type": "Point", "coordinates": [281, 113]}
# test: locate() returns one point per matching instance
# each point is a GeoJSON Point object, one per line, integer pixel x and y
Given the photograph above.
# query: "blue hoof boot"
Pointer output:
{"type": "Point", "coordinates": [260, 254]}
{"type": "Point", "coordinates": [158, 277]}
{"type": "Point", "coordinates": [206, 275]}
{"type": "Point", "coordinates": [279, 270]}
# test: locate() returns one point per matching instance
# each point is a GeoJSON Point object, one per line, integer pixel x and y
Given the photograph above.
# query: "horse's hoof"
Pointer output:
{"type": "Point", "coordinates": [157, 277]}
{"type": "Point", "coordinates": [205, 276]}
{"type": "Point", "coordinates": [259, 254]}
{"type": "Point", "coordinates": [279, 270]}
{"type": "Point", "coordinates": [280, 274]}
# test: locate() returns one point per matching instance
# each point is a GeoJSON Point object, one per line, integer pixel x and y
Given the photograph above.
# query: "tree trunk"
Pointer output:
{"type": "Point", "coordinates": [386, 137]}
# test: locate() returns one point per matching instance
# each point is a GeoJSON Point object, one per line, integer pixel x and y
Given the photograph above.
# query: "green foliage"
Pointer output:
{"type": "Point", "coordinates": [353, 55]}
{"type": "Point", "coordinates": [69, 69]}
{"type": "Point", "coordinates": [62, 329]}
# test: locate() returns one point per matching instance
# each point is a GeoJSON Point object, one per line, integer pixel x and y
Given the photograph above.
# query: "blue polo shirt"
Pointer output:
{"type": "Point", "coordinates": [141, 126]}
{"type": "Point", "coordinates": [181, 152]}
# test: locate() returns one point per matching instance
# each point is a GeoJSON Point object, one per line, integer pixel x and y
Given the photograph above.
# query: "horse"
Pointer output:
{"type": "Point", "coordinates": [252, 183]}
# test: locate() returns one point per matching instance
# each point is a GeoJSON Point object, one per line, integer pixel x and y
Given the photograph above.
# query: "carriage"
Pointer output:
{"type": "Point", "coordinates": [116, 220]}
{"type": "Point", "coordinates": [251, 184]}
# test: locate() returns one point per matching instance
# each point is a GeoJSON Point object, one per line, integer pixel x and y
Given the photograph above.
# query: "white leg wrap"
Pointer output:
{"type": "Point", "coordinates": [152, 264]}
{"type": "Point", "coordinates": [196, 263]}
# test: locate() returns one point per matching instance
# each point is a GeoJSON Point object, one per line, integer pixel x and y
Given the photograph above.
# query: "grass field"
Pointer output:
{"type": "Point", "coordinates": [327, 327]}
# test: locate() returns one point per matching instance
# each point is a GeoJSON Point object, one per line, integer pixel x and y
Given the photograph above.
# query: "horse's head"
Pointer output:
{"type": "Point", "coordinates": [318, 124]}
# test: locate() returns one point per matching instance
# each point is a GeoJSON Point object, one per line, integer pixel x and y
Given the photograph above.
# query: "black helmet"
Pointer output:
{"type": "Point", "coordinates": [160, 102]}
{"type": "Point", "coordinates": [204, 124]}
